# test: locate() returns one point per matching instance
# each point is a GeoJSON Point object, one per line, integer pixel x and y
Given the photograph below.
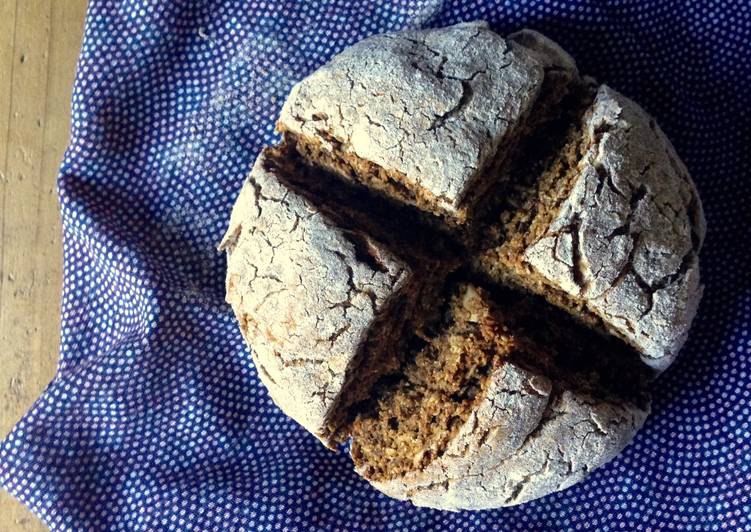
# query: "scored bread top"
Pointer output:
{"type": "Point", "coordinates": [430, 107]}
{"type": "Point", "coordinates": [329, 303]}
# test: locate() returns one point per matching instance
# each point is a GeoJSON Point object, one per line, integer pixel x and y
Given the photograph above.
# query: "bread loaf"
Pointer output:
{"type": "Point", "coordinates": [467, 260]}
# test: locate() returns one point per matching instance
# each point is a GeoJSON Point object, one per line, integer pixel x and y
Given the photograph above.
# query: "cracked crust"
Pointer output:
{"type": "Point", "coordinates": [329, 288]}
{"type": "Point", "coordinates": [428, 109]}
{"type": "Point", "coordinates": [627, 238]}
{"type": "Point", "coordinates": [528, 435]}
{"type": "Point", "coordinates": [309, 293]}
{"type": "Point", "coordinates": [522, 442]}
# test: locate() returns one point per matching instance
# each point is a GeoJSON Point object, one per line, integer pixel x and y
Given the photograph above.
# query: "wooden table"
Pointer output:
{"type": "Point", "coordinates": [39, 44]}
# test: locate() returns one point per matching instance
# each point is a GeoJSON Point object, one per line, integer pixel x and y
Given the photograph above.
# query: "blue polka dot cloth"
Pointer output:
{"type": "Point", "coordinates": [156, 419]}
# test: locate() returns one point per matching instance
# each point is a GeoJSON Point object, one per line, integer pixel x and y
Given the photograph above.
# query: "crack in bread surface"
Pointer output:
{"type": "Point", "coordinates": [396, 186]}
{"type": "Point", "coordinates": [572, 354]}
{"type": "Point", "coordinates": [588, 234]}
{"type": "Point", "coordinates": [391, 183]}
{"type": "Point", "coordinates": [406, 229]}
{"type": "Point", "coordinates": [416, 121]}
{"type": "Point", "coordinates": [352, 214]}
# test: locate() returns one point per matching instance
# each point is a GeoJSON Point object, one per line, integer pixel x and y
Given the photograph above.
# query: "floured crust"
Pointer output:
{"type": "Point", "coordinates": [305, 299]}
{"type": "Point", "coordinates": [626, 240]}
{"type": "Point", "coordinates": [522, 442]}
{"type": "Point", "coordinates": [531, 432]}
{"type": "Point", "coordinates": [429, 108]}
{"type": "Point", "coordinates": [548, 52]}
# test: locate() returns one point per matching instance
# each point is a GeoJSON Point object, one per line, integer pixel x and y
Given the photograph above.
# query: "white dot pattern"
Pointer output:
{"type": "Point", "coordinates": [156, 418]}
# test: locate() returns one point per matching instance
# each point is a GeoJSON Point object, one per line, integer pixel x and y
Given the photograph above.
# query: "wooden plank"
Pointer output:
{"type": "Point", "coordinates": [35, 99]}
{"type": "Point", "coordinates": [7, 64]}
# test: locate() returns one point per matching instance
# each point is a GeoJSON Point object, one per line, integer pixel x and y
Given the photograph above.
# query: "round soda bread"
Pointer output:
{"type": "Point", "coordinates": [467, 260]}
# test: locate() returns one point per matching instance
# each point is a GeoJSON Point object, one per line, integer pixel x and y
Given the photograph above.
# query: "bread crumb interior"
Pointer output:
{"type": "Point", "coordinates": [543, 180]}
{"type": "Point", "coordinates": [414, 419]}
{"type": "Point", "coordinates": [336, 158]}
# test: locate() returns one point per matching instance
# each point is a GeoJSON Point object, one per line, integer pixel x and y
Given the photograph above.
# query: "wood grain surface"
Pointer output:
{"type": "Point", "coordinates": [39, 45]}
